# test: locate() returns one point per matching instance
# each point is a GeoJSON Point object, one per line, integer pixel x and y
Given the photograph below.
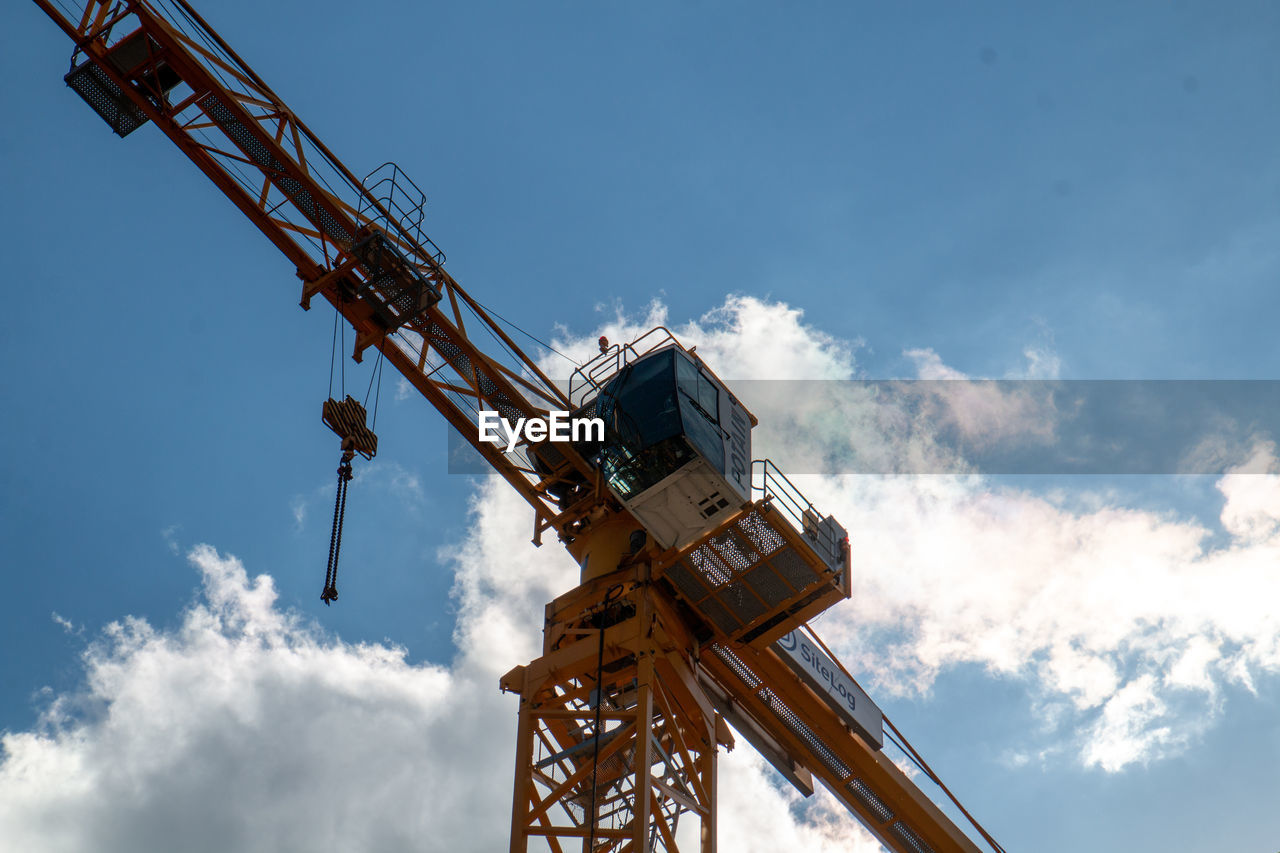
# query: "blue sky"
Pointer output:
{"type": "Point", "coordinates": [1080, 191]}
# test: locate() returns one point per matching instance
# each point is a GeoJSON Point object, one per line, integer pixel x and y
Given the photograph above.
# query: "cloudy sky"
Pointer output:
{"type": "Point", "coordinates": [805, 191]}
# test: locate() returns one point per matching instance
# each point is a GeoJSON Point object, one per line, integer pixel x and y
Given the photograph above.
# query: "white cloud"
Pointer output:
{"type": "Point", "coordinates": [1192, 670]}
{"type": "Point", "coordinates": [795, 379]}
{"type": "Point", "coordinates": [1042, 363]}
{"type": "Point", "coordinates": [298, 506]}
{"type": "Point", "coordinates": [1252, 509]}
{"type": "Point", "coordinates": [501, 598]}
{"type": "Point", "coordinates": [745, 338]}
{"type": "Point", "coordinates": [1132, 727]}
{"type": "Point", "coordinates": [1081, 604]}
{"type": "Point", "coordinates": [929, 365]}
{"type": "Point", "coordinates": [984, 413]}
{"type": "Point", "coordinates": [170, 537]}
{"type": "Point", "coordinates": [244, 728]}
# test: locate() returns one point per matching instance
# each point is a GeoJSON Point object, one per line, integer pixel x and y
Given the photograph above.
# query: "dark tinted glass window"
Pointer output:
{"type": "Point", "coordinates": [640, 404]}
{"type": "Point", "coordinates": [698, 386]}
{"type": "Point", "coordinates": [708, 397]}
{"type": "Point", "coordinates": [687, 376]}
{"type": "Point", "coordinates": [702, 433]}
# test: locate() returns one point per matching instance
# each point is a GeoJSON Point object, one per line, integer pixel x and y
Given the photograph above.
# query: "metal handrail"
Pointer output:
{"type": "Point", "coordinates": [400, 221]}
{"type": "Point", "coordinates": [771, 485]}
{"type": "Point", "coordinates": [588, 380]}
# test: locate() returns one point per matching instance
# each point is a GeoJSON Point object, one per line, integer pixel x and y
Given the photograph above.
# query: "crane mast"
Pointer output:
{"type": "Point", "coordinates": [700, 568]}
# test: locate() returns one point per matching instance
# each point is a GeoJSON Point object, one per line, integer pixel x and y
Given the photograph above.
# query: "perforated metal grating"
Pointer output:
{"type": "Point", "coordinates": [797, 727]}
{"type": "Point", "coordinates": [783, 712]}
{"type": "Point", "coordinates": [462, 364]}
{"type": "Point", "coordinates": [765, 539]}
{"type": "Point", "coordinates": [107, 99]}
{"type": "Point", "coordinates": [869, 799]}
{"type": "Point", "coordinates": [907, 836]}
{"type": "Point", "coordinates": [742, 602]}
{"type": "Point", "coordinates": [766, 584]}
{"type": "Point", "coordinates": [735, 663]}
{"type": "Point", "coordinates": [743, 575]}
{"type": "Point", "coordinates": [792, 568]}
{"type": "Point", "coordinates": [262, 156]}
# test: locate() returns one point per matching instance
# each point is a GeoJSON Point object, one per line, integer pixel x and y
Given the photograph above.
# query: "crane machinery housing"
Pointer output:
{"type": "Point", "coordinates": [700, 567]}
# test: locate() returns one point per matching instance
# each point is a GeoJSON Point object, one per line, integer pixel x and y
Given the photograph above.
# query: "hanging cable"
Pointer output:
{"type": "Point", "coordinates": [538, 341]}
{"type": "Point", "coordinates": [333, 350]}
{"type": "Point", "coordinates": [330, 593]}
{"type": "Point", "coordinates": [377, 395]}
{"type": "Point", "coordinates": [903, 749]}
{"type": "Point", "coordinates": [919, 761]}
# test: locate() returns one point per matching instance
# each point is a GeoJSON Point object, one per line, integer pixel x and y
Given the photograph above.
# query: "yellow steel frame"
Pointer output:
{"type": "Point", "coordinates": [617, 724]}
{"type": "Point", "coordinates": [657, 678]}
{"type": "Point", "coordinates": [623, 666]}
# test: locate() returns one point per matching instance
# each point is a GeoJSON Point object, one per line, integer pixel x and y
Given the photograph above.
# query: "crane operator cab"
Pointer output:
{"type": "Point", "coordinates": [742, 546]}
{"type": "Point", "coordinates": [677, 451]}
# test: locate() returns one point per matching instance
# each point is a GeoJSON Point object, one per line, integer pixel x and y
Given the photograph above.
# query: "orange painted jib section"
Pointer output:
{"type": "Point", "coordinates": [392, 288]}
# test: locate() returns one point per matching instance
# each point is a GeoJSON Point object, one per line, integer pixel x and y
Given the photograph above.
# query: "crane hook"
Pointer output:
{"type": "Point", "coordinates": [347, 419]}
{"type": "Point", "coordinates": [330, 593]}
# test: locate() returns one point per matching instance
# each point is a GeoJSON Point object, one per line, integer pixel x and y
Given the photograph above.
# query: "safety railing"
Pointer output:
{"type": "Point", "coordinates": [828, 539]}
{"type": "Point", "coordinates": [771, 485]}
{"type": "Point", "coordinates": [391, 200]}
{"type": "Point", "coordinates": [589, 379]}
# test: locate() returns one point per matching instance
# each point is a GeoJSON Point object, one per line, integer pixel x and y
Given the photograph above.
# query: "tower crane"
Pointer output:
{"type": "Point", "coordinates": [700, 567]}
